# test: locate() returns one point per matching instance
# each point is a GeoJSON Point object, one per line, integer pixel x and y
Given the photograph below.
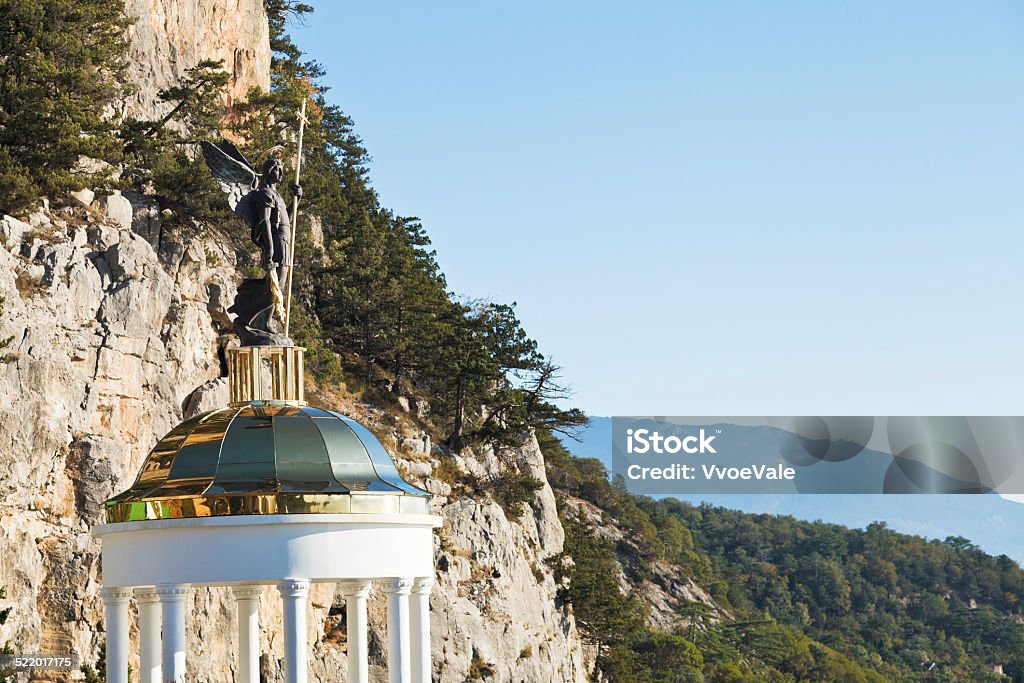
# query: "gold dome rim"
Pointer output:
{"type": "Point", "coordinates": [195, 507]}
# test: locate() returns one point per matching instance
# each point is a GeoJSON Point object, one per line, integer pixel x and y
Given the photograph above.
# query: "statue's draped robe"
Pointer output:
{"type": "Point", "coordinates": [255, 303]}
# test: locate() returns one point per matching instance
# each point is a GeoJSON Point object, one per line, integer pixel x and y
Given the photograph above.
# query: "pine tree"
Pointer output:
{"type": "Point", "coordinates": [540, 396]}
{"type": "Point", "coordinates": [61, 67]}
{"type": "Point", "coordinates": [611, 620]}
{"type": "Point", "coordinates": [419, 293]}
{"type": "Point", "coordinates": [460, 369]}
{"type": "Point", "coordinates": [162, 153]}
{"type": "Point", "coordinates": [479, 349]}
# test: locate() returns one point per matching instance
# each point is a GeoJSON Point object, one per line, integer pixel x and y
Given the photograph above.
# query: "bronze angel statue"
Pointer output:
{"type": "Point", "coordinates": [255, 198]}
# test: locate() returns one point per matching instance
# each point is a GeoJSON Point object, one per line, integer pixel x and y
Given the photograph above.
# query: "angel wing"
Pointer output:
{"type": "Point", "coordinates": [233, 172]}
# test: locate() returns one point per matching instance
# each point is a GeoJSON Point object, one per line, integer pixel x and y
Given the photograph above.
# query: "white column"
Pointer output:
{"type": "Point", "coordinates": [293, 595]}
{"type": "Point", "coordinates": [247, 600]}
{"type": "Point", "coordinates": [149, 634]}
{"type": "Point", "coordinates": [355, 593]}
{"type": "Point", "coordinates": [419, 626]}
{"type": "Point", "coordinates": [172, 602]}
{"type": "Point", "coordinates": [115, 603]}
{"type": "Point", "coordinates": [399, 669]}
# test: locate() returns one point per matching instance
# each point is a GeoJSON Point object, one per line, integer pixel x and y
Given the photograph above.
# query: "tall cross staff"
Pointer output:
{"type": "Point", "coordinates": [295, 219]}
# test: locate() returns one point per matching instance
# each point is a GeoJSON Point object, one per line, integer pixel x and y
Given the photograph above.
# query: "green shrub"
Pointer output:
{"type": "Point", "coordinates": [513, 491]}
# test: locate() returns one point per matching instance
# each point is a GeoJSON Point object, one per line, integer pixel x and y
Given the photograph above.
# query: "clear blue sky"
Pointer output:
{"type": "Point", "coordinates": [715, 207]}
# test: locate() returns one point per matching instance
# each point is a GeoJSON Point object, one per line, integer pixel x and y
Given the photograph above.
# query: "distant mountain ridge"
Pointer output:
{"type": "Point", "coordinates": [993, 523]}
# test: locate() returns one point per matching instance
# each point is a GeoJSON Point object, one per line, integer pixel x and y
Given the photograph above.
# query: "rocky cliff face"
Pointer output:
{"type": "Point", "coordinates": [115, 337]}
{"type": "Point", "coordinates": [171, 36]}
{"type": "Point", "coordinates": [116, 315]}
{"type": "Point", "coordinates": [106, 345]}
{"type": "Point", "coordinates": [495, 600]}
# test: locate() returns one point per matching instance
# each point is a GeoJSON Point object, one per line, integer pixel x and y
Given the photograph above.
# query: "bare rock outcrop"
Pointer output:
{"type": "Point", "coordinates": [171, 36]}
{"type": "Point", "coordinates": [106, 343]}
{"type": "Point", "coordinates": [495, 606]}
{"type": "Point", "coordinates": [112, 344]}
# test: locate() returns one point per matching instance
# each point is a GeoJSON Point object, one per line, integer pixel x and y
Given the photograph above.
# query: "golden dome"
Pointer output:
{"type": "Point", "coordinates": [267, 457]}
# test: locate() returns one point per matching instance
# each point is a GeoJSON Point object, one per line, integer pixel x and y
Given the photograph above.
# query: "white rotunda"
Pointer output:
{"type": "Point", "coordinates": [267, 492]}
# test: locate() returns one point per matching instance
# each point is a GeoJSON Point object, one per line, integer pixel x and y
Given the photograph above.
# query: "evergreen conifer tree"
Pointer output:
{"type": "Point", "coordinates": [61, 68]}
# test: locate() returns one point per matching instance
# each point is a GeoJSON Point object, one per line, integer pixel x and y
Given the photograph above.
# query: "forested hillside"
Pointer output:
{"type": "Point", "coordinates": [796, 601]}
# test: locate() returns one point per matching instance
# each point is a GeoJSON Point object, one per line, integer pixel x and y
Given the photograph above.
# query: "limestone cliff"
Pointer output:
{"type": "Point", "coordinates": [171, 36]}
{"type": "Point", "coordinates": [117, 321]}
{"type": "Point", "coordinates": [115, 336]}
